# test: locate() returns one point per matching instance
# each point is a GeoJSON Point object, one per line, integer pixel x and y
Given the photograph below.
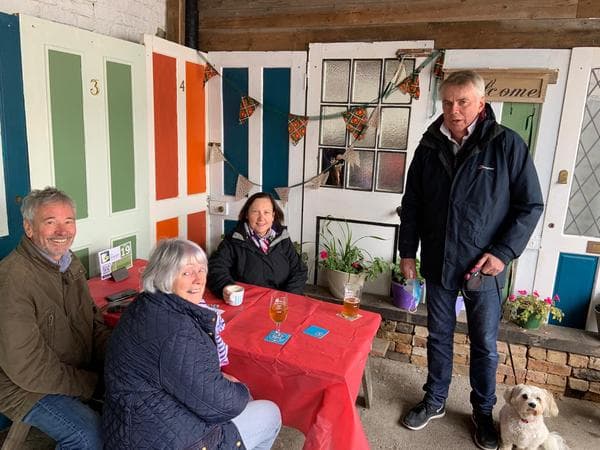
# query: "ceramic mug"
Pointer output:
{"type": "Point", "coordinates": [235, 295]}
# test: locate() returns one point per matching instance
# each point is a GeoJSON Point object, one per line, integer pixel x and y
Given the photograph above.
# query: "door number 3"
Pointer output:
{"type": "Point", "coordinates": [94, 88]}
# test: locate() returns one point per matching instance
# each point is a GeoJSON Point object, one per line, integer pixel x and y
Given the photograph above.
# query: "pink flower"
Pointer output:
{"type": "Point", "coordinates": [511, 298]}
{"type": "Point", "coordinates": [522, 292]}
{"type": "Point", "coordinates": [356, 265]}
{"type": "Point", "coordinates": [536, 294]}
{"type": "Point", "coordinates": [548, 300]}
{"type": "Point", "coordinates": [556, 298]}
{"type": "Point", "coordinates": [323, 254]}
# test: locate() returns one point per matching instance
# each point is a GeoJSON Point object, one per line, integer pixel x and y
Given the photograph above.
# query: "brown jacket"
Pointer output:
{"type": "Point", "coordinates": [52, 337]}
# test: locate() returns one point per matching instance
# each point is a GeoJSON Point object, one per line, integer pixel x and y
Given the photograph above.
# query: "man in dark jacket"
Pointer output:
{"type": "Point", "coordinates": [52, 338]}
{"type": "Point", "coordinates": [472, 200]}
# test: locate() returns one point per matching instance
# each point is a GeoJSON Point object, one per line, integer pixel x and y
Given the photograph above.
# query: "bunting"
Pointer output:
{"type": "Point", "coordinates": [209, 72]}
{"type": "Point", "coordinates": [296, 127]}
{"type": "Point", "coordinates": [247, 107]}
{"type": "Point", "coordinates": [316, 182]}
{"type": "Point", "coordinates": [410, 86]}
{"type": "Point", "coordinates": [242, 187]}
{"type": "Point", "coordinates": [283, 193]}
{"type": "Point", "coordinates": [351, 157]}
{"type": "Point", "coordinates": [215, 154]}
{"type": "Point", "coordinates": [356, 121]}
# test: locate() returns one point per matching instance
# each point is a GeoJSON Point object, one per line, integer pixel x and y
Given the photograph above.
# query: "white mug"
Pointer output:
{"type": "Point", "coordinates": [235, 295]}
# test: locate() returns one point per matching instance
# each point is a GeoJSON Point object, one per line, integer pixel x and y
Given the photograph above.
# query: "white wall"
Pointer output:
{"type": "Point", "coordinates": [123, 19]}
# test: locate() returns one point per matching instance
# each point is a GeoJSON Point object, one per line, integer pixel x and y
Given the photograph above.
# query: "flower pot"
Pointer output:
{"type": "Point", "coordinates": [532, 323]}
{"type": "Point", "coordinates": [336, 280]}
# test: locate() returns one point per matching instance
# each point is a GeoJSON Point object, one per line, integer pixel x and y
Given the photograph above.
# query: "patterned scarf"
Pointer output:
{"type": "Point", "coordinates": [222, 347]}
{"type": "Point", "coordinates": [263, 242]}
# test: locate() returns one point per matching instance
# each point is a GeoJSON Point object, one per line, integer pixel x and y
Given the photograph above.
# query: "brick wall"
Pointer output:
{"type": "Point", "coordinates": [562, 373]}
{"type": "Point", "coordinates": [123, 19]}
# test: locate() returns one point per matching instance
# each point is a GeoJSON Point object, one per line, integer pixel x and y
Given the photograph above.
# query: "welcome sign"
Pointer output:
{"type": "Point", "coordinates": [515, 85]}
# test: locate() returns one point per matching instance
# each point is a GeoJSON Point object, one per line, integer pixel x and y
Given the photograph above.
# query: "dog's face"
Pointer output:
{"type": "Point", "coordinates": [531, 401]}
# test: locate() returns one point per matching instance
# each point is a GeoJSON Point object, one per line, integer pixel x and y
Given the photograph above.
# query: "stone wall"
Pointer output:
{"type": "Point", "coordinates": [561, 372]}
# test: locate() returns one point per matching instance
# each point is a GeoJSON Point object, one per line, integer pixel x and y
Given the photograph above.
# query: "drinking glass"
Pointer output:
{"type": "Point", "coordinates": [278, 308]}
{"type": "Point", "coordinates": [351, 300]}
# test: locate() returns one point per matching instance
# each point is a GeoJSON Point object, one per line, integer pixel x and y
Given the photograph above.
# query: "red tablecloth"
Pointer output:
{"type": "Point", "coordinates": [314, 382]}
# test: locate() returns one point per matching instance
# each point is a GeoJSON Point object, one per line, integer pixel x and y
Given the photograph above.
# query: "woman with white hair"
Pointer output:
{"type": "Point", "coordinates": [164, 385]}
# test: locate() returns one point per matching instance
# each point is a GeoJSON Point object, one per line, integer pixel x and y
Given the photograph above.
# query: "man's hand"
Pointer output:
{"type": "Point", "coordinates": [408, 267]}
{"type": "Point", "coordinates": [488, 264]}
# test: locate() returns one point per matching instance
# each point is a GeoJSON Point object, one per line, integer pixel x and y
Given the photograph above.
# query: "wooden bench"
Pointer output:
{"type": "Point", "coordinates": [379, 349]}
{"type": "Point", "coordinates": [16, 436]}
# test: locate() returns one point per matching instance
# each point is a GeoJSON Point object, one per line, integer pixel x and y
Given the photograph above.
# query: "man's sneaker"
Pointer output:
{"type": "Point", "coordinates": [485, 435]}
{"type": "Point", "coordinates": [418, 417]}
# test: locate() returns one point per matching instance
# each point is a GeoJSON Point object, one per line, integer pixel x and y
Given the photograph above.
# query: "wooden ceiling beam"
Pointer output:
{"type": "Point", "coordinates": [555, 33]}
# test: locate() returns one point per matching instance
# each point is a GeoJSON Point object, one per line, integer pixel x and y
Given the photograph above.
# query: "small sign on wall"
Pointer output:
{"type": "Point", "coordinates": [515, 85]}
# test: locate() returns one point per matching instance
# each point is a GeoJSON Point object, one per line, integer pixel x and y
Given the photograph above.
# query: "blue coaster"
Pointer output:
{"type": "Point", "coordinates": [283, 338]}
{"type": "Point", "coordinates": [316, 331]}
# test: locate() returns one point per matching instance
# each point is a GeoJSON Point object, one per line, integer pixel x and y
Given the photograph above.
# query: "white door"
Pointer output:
{"type": "Point", "coordinates": [177, 141]}
{"type": "Point", "coordinates": [85, 104]}
{"type": "Point", "coordinates": [343, 76]}
{"type": "Point", "coordinates": [570, 242]}
{"type": "Point", "coordinates": [258, 149]}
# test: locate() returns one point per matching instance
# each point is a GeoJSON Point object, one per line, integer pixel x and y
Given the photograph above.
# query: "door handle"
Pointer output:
{"type": "Point", "coordinates": [18, 199]}
{"type": "Point", "coordinates": [563, 176]}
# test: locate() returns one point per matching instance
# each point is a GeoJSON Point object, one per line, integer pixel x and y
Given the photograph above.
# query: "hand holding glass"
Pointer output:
{"type": "Point", "coordinates": [278, 309]}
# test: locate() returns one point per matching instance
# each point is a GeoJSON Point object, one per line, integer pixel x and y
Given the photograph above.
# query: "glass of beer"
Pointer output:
{"type": "Point", "coordinates": [278, 309]}
{"type": "Point", "coordinates": [351, 300]}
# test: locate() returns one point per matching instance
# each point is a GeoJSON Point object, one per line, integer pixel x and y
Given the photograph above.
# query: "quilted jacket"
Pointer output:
{"type": "Point", "coordinates": [164, 386]}
{"type": "Point", "coordinates": [52, 337]}
{"type": "Point", "coordinates": [487, 198]}
{"type": "Point", "coordinates": [238, 259]}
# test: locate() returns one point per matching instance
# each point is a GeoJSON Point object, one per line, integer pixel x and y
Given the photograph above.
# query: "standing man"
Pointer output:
{"type": "Point", "coordinates": [52, 338]}
{"type": "Point", "coordinates": [472, 200]}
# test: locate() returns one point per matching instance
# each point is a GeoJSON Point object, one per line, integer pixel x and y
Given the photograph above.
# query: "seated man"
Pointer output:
{"type": "Point", "coordinates": [52, 337]}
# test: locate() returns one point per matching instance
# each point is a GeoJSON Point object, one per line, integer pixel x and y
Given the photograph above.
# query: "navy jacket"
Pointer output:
{"type": "Point", "coordinates": [239, 259]}
{"type": "Point", "coordinates": [164, 386]}
{"type": "Point", "coordinates": [485, 199]}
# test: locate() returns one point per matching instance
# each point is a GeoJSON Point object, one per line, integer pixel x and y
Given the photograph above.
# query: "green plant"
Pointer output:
{"type": "Point", "coordinates": [397, 272]}
{"type": "Point", "coordinates": [525, 306]}
{"type": "Point", "coordinates": [344, 254]}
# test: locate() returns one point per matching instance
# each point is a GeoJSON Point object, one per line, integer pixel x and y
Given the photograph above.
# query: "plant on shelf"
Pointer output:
{"type": "Point", "coordinates": [530, 310]}
{"type": "Point", "coordinates": [397, 272]}
{"type": "Point", "coordinates": [341, 252]}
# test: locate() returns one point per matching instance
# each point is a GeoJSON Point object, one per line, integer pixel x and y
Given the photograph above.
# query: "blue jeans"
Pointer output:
{"type": "Point", "coordinates": [68, 421]}
{"type": "Point", "coordinates": [5, 422]}
{"type": "Point", "coordinates": [258, 424]}
{"type": "Point", "coordinates": [484, 310]}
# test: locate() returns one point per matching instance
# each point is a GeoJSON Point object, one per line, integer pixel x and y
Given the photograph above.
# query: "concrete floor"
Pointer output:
{"type": "Point", "coordinates": [397, 386]}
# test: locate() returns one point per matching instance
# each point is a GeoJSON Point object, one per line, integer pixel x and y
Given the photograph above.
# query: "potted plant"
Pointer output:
{"type": "Point", "coordinates": [530, 310]}
{"type": "Point", "coordinates": [406, 294]}
{"type": "Point", "coordinates": [344, 261]}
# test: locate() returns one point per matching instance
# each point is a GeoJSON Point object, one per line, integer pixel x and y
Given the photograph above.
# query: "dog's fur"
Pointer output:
{"type": "Point", "coordinates": [522, 419]}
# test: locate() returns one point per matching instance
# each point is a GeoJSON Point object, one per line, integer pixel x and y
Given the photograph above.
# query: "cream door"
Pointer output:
{"type": "Point", "coordinates": [570, 242]}
{"type": "Point", "coordinates": [85, 102]}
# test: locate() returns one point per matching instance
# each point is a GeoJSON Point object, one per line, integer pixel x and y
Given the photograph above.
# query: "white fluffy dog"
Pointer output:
{"type": "Point", "coordinates": [522, 422]}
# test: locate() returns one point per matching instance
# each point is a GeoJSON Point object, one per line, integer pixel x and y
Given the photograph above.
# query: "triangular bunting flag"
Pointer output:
{"type": "Point", "coordinates": [247, 107]}
{"type": "Point", "coordinates": [317, 181]}
{"type": "Point", "coordinates": [296, 127]}
{"type": "Point", "coordinates": [410, 85]}
{"type": "Point", "coordinates": [215, 154]}
{"type": "Point", "coordinates": [209, 72]}
{"type": "Point", "coordinates": [356, 121]}
{"type": "Point", "coordinates": [242, 187]}
{"type": "Point", "coordinates": [375, 116]}
{"type": "Point", "coordinates": [351, 157]}
{"type": "Point", "coordinates": [283, 193]}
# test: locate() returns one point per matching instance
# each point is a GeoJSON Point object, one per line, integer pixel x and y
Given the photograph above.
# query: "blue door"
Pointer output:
{"type": "Point", "coordinates": [14, 178]}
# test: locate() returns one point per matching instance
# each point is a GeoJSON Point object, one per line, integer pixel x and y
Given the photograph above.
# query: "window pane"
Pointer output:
{"type": "Point", "coordinates": [336, 76]}
{"type": "Point", "coordinates": [362, 177]}
{"type": "Point", "coordinates": [391, 65]}
{"type": "Point", "coordinates": [394, 127]}
{"type": "Point", "coordinates": [333, 127]}
{"type": "Point", "coordinates": [365, 82]}
{"type": "Point", "coordinates": [336, 166]}
{"type": "Point", "coordinates": [390, 176]}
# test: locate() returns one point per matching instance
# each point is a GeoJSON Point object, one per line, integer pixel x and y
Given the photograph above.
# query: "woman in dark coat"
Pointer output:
{"type": "Point", "coordinates": [259, 251]}
{"type": "Point", "coordinates": [164, 385]}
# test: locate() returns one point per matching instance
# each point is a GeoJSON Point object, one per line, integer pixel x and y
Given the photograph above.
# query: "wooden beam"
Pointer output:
{"type": "Point", "coordinates": [547, 33]}
{"type": "Point", "coordinates": [176, 21]}
{"type": "Point", "coordinates": [588, 9]}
